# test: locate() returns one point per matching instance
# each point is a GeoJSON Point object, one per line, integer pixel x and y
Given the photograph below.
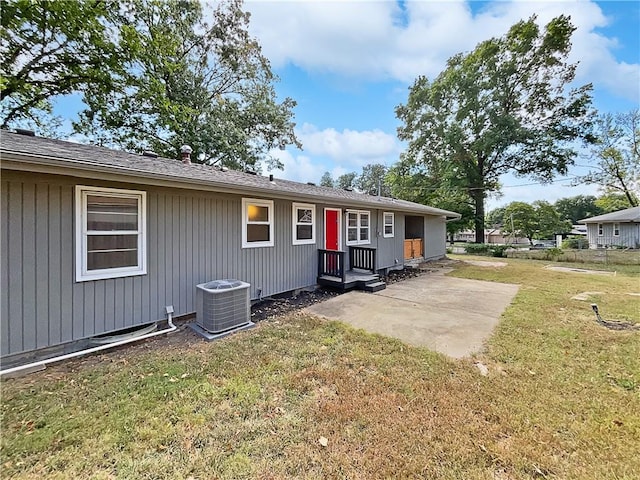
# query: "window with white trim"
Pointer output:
{"type": "Point", "coordinates": [388, 224]}
{"type": "Point", "coordinates": [616, 229]}
{"type": "Point", "coordinates": [358, 227]}
{"type": "Point", "coordinates": [110, 233]}
{"type": "Point", "coordinates": [304, 223]}
{"type": "Point", "coordinates": [600, 231]}
{"type": "Point", "coordinates": [257, 223]}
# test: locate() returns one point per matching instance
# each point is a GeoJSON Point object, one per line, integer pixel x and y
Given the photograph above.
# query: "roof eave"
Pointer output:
{"type": "Point", "coordinates": [59, 166]}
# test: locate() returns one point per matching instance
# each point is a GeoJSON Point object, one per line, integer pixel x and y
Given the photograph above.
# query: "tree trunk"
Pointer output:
{"type": "Point", "coordinates": [478, 200]}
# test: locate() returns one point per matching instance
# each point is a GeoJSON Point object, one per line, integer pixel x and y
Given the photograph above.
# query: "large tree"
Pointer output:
{"type": "Point", "coordinates": [327, 180]}
{"type": "Point", "coordinates": [346, 180]}
{"type": "Point", "coordinates": [413, 182]}
{"type": "Point", "coordinates": [372, 180]}
{"type": "Point", "coordinates": [616, 153]}
{"type": "Point", "coordinates": [578, 207]}
{"type": "Point", "coordinates": [504, 107]}
{"type": "Point", "coordinates": [538, 220]}
{"type": "Point", "coordinates": [190, 82]}
{"type": "Point", "coordinates": [52, 48]}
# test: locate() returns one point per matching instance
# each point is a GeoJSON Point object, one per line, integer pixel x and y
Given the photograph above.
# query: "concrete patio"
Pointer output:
{"type": "Point", "coordinates": [450, 315]}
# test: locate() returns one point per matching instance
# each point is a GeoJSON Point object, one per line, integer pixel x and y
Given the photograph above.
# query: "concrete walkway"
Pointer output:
{"type": "Point", "coordinates": [450, 315]}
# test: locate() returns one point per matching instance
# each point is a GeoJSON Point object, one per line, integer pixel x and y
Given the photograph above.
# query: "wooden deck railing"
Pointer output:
{"type": "Point", "coordinates": [363, 258]}
{"type": "Point", "coordinates": [331, 262]}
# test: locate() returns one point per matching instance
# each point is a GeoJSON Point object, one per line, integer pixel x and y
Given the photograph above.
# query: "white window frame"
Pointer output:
{"type": "Point", "coordinates": [600, 230]}
{"type": "Point", "coordinates": [384, 224]}
{"type": "Point", "coordinates": [616, 229]}
{"type": "Point", "coordinates": [83, 274]}
{"type": "Point", "coordinates": [295, 223]}
{"type": "Point", "coordinates": [245, 221]}
{"type": "Point", "coordinates": [359, 214]}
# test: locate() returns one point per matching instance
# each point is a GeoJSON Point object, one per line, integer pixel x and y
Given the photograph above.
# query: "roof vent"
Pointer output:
{"type": "Point", "coordinates": [250, 172]}
{"type": "Point", "coordinates": [224, 169]}
{"type": "Point", "coordinates": [150, 154]}
{"type": "Point", "coordinates": [349, 189]}
{"type": "Point", "coordinates": [271, 177]}
{"type": "Point", "coordinates": [25, 132]}
{"type": "Point", "coordinates": [311, 183]}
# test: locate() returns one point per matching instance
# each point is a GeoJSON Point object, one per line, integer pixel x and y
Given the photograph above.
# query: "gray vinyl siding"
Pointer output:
{"type": "Point", "coordinates": [390, 252]}
{"type": "Point", "coordinates": [192, 237]}
{"type": "Point", "coordinates": [434, 237]}
{"type": "Point", "coordinates": [629, 235]}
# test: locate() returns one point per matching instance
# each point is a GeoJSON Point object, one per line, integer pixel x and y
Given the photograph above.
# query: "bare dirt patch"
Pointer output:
{"type": "Point", "coordinates": [578, 270]}
{"type": "Point", "coordinates": [484, 263]}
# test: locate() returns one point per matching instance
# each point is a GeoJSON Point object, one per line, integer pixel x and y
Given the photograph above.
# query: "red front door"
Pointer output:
{"type": "Point", "coordinates": [331, 229]}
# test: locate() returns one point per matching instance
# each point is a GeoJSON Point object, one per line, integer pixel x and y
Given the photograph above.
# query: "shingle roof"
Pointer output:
{"type": "Point", "coordinates": [627, 215]}
{"type": "Point", "coordinates": [29, 150]}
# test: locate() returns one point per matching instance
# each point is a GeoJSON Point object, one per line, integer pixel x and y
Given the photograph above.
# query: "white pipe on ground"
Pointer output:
{"type": "Point", "coordinates": [43, 363]}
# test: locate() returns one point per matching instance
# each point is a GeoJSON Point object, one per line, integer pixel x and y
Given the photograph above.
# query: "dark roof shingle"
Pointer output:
{"type": "Point", "coordinates": [86, 157]}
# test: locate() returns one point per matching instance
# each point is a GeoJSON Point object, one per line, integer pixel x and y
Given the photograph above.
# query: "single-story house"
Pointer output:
{"type": "Point", "coordinates": [96, 240]}
{"type": "Point", "coordinates": [615, 229]}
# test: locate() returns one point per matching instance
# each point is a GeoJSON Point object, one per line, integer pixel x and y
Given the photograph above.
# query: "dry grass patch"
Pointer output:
{"type": "Point", "coordinates": [562, 400]}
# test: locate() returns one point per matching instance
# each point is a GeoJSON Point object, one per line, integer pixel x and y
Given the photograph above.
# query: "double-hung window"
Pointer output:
{"type": "Point", "coordinates": [304, 224]}
{"type": "Point", "coordinates": [110, 233]}
{"type": "Point", "coordinates": [358, 227]}
{"type": "Point", "coordinates": [257, 223]}
{"type": "Point", "coordinates": [616, 229]}
{"type": "Point", "coordinates": [600, 230]}
{"type": "Point", "coordinates": [388, 224]}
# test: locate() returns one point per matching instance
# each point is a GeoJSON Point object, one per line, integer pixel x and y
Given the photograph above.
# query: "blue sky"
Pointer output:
{"type": "Point", "coordinates": [348, 64]}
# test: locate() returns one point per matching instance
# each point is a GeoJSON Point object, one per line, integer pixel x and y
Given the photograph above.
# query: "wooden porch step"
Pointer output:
{"type": "Point", "coordinates": [374, 286]}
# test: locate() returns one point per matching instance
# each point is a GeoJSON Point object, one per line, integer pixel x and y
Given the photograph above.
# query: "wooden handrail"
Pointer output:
{"type": "Point", "coordinates": [331, 262]}
{"type": "Point", "coordinates": [363, 258]}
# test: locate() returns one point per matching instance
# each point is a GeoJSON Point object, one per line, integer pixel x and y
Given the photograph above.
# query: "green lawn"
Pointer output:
{"type": "Point", "coordinates": [562, 399]}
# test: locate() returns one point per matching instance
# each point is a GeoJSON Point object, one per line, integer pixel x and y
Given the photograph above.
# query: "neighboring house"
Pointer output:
{"type": "Point", "coordinates": [95, 241]}
{"type": "Point", "coordinates": [615, 229]}
{"type": "Point", "coordinates": [491, 235]}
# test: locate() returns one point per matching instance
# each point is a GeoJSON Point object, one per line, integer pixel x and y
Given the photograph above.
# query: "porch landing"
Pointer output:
{"type": "Point", "coordinates": [369, 282]}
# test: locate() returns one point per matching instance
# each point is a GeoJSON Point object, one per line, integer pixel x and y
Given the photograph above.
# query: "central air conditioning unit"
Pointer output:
{"type": "Point", "coordinates": [222, 305]}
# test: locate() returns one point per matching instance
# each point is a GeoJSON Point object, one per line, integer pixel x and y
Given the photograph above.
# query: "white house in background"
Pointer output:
{"type": "Point", "coordinates": [616, 229]}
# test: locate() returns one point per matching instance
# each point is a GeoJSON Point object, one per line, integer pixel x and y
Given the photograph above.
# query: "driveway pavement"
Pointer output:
{"type": "Point", "coordinates": [450, 315]}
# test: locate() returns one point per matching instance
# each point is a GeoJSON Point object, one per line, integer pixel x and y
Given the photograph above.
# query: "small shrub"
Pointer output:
{"type": "Point", "coordinates": [575, 243]}
{"type": "Point", "coordinates": [499, 250]}
{"type": "Point", "coordinates": [477, 248]}
{"type": "Point", "coordinates": [553, 253]}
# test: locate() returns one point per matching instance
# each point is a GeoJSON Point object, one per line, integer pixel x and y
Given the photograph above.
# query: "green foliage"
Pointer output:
{"type": "Point", "coordinates": [52, 48]}
{"type": "Point", "coordinates": [553, 253]}
{"type": "Point", "coordinates": [612, 202]}
{"type": "Point", "coordinates": [477, 248]}
{"type": "Point", "coordinates": [538, 220]}
{"type": "Point", "coordinates": [188, 82]}
{"type": "Point", "coordinates": [503, 107]}
{"type": "Point", "coordinates": [499, 250]}
{"type": "Point", "coordinates": [327, 180]}
{"type": "Point", "coordinates": [616, 153]}
{"type": "Point", "coordinates": [575, 243]}
{"type": "Point", "coordinates": [495, 218]}
{"type": "Point", "coordinates": [578, 207]}
{"type": "Point", "coordinates": [373, 180]}
{"type": "Point", "coordinates": [411, 181]}
{"type": "Point", "coordinates": [346, 180]}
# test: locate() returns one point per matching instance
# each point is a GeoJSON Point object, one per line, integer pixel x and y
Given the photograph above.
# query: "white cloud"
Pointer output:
{"type": "Point", "coordinates": [350, 148]}
{"type": "Point", "coordinates": [379, 40]}
{"type": "Point", "coordinates": [298, 168]}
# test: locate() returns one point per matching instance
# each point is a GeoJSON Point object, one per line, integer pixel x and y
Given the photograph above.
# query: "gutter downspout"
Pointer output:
{"type": "Point", "coordinates": [43, 363]}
